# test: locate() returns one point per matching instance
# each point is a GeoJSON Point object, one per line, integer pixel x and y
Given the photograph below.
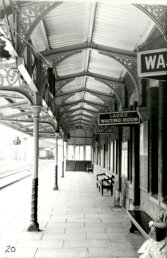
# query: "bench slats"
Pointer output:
{"type": "Point", "coordinates": [105, 181]}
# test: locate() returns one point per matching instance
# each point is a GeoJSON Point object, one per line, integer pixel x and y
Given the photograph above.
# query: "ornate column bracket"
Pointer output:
{"type": "Point", "coordinates": [58, 58]}
{"type": "Point", "coordinates": [67, 108]}
{"type": "Point", "coordinates": [10, 78]}
{"type": "Point", "coordinates": [64, 110]}
{"type": "Point", "coordinates": [105, 99]}
{"type": "Point", "coordinates": [48, 120]}
{"type": "Point", "coordinates": [61, 121]}
{"type": "Point", "coordinates": [130, 64]}
{"type": "Point", "coordinates": [30, 16]}
{"type": "Point", "coordinates": [116, 88]}
{"type": "Point", "coordinates": [16, 91]}
{"type": "Point", "coordinates": [97, 106]}
{"type": "Point", "coordinates": [60, 100]}
{"type": "Point", "coordinates": [158, 14]}
{"type": "Point", "coordinates": [61, 84]}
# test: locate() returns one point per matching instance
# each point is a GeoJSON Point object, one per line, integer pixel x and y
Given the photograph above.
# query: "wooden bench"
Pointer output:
{"type": "Point", "coordinates": [105, 181]}
{"type": "Point", "coordinates": [139, 222]}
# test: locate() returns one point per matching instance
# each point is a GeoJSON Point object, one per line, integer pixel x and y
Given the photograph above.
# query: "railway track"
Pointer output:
{"type": "Point", "coordinates": [11, 177]}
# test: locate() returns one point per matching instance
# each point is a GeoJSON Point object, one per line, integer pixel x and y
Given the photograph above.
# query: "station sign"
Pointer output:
{"type": "Point", "coordinates": [119, 118]}
{"type": "Point", "coordinates": [152, 62]}
{"type": "Point", "coordinates": [106, 130]}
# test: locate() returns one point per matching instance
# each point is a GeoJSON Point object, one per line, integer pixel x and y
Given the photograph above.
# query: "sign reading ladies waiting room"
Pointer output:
{"type": "Point", "coordinates": [152, 62]}
{"type": "Point", "coordinates": [119, 118]}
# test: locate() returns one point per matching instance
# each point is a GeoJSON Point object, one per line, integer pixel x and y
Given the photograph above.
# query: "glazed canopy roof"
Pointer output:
{"type": "Point", "coordinates": [91, 48]}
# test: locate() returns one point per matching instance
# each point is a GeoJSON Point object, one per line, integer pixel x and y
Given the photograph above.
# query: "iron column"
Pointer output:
{"type": "Point", "coordinates": [34, 226]}
{"type": "Point", "coordinates": [56, 165]}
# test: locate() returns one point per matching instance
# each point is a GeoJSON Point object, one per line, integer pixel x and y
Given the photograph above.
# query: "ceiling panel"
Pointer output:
{"type": "Point", "coordinates": [91, 97]}
{"type": "Point", "coordinates": [87, 106]}
{"type": "Point", "coordinates": [121, 26]}
{"type": "Point", "coordinates": [94, 84]}
{"type": "Point", "coordinates": [71, 65]}
{"type": "Point", "coordinates": [74, 85]}
{"type": "Point", "coordinates": [70, 36]}
{"type": "Point", "coordinates": [67, 24]}
{"type": "Point", "coordinates": [104, 65]}
{"type": "Point", "coordinates": [75, 97]}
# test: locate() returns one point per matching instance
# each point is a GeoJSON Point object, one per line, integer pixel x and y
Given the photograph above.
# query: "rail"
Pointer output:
{"type": "Point", "coordinates": [11, 177]}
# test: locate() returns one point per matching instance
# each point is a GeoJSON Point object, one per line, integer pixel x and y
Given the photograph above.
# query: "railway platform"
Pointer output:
{"type": "Point", "coordinates": [75, 221]}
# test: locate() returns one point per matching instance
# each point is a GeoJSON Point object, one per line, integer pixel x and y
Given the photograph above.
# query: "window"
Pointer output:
{"type": "Point", "coordinates": [79, 154]}
{"type": "Point", "coordinates": [112, 160]}
{"type": "Point", "coordinates": [112, 156]}
{"type": "Point", "coordinates": [144, 156]}
{"type": "Point", "coordinates": [70, 152]}
{"type": "Point", "coordinates": [88, 152]}
{"type": "Point", "coordinates": [124, 170]}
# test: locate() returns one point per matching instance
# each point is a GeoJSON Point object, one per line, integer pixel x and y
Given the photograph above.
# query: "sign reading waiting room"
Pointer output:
{"type": "Point", "coordinates": [152, 62]}
{"type": "Point", "coordinates": [119, 118]}
{"type": "Point", "coordinates": [106, 130]}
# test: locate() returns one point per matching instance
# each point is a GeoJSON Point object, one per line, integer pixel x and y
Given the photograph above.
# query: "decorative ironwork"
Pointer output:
{"type": "Point", "coordinates": [64, 109]}
{"type": "Point", "coordinates": [11, 78]}
{"type": "Point", "coordinates": [30, 16]}
{"type": "Point", "coordinates": [103, 98]}
{"type": "Point", "coordinates": [62, 99]}
{"type": "Point", "coordinates": [16, 91]}
{"type": "Point", "coordinates": [58, 58]}
{"type": "Point", "coordinates": [48, 120]}
{"type": "Point", "coordinates": [116, 88]}
{"type": "Point", "coordinates": [59, 85]}
{"type": "Point", "coordinates": [158, 14]}
{"type": "Point", "coordinates": [57, 110]}
{"type": "Point", "coordinates": [30, 13]}
{"type": "Point", "coordinates": [130, 63]}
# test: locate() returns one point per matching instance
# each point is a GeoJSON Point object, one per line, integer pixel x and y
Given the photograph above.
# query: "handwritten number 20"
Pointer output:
{"type": "Point", "coordinates": [10, 249]}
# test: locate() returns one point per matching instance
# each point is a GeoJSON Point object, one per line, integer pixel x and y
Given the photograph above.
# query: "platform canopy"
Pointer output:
{"type": "Point", "coordinates": [85, 53]}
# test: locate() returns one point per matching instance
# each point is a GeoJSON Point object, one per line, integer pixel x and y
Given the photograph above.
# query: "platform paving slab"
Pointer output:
{"type": "Point", "coordinates": [75, 221]}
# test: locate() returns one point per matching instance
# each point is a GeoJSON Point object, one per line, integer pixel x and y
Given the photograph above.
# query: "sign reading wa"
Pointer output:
{"type": "Point", "coordinates": [152, 62]}
{"type": "Point", "coordinates": [119, 118]}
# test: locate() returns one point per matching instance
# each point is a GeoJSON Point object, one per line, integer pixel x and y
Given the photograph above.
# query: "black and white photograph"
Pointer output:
{"type": "Point", "coordinates": [83, 129]}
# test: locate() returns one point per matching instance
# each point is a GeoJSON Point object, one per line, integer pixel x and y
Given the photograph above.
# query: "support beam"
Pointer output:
{"type": "Point", "coordinates": [42, 25]}
{"type": "Point", "coordinates": [17, 115]}
{"type": "Point", "coordinates": [77, 109]}
{"type": "Point", "coordinates": [14, 105]}
{"type": "Point", "coordinates": [94, 75]}
{"type": "Point", "coordinates": [76, 117]}
{"type": "Point", "coordinates": [92, 103]}
{"type": "Point", "coordinates": [84, 90]}
{"type": "Point", "coordinates": [28, 121]}
{"type": "Point", "coordinates": [91, 46]}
